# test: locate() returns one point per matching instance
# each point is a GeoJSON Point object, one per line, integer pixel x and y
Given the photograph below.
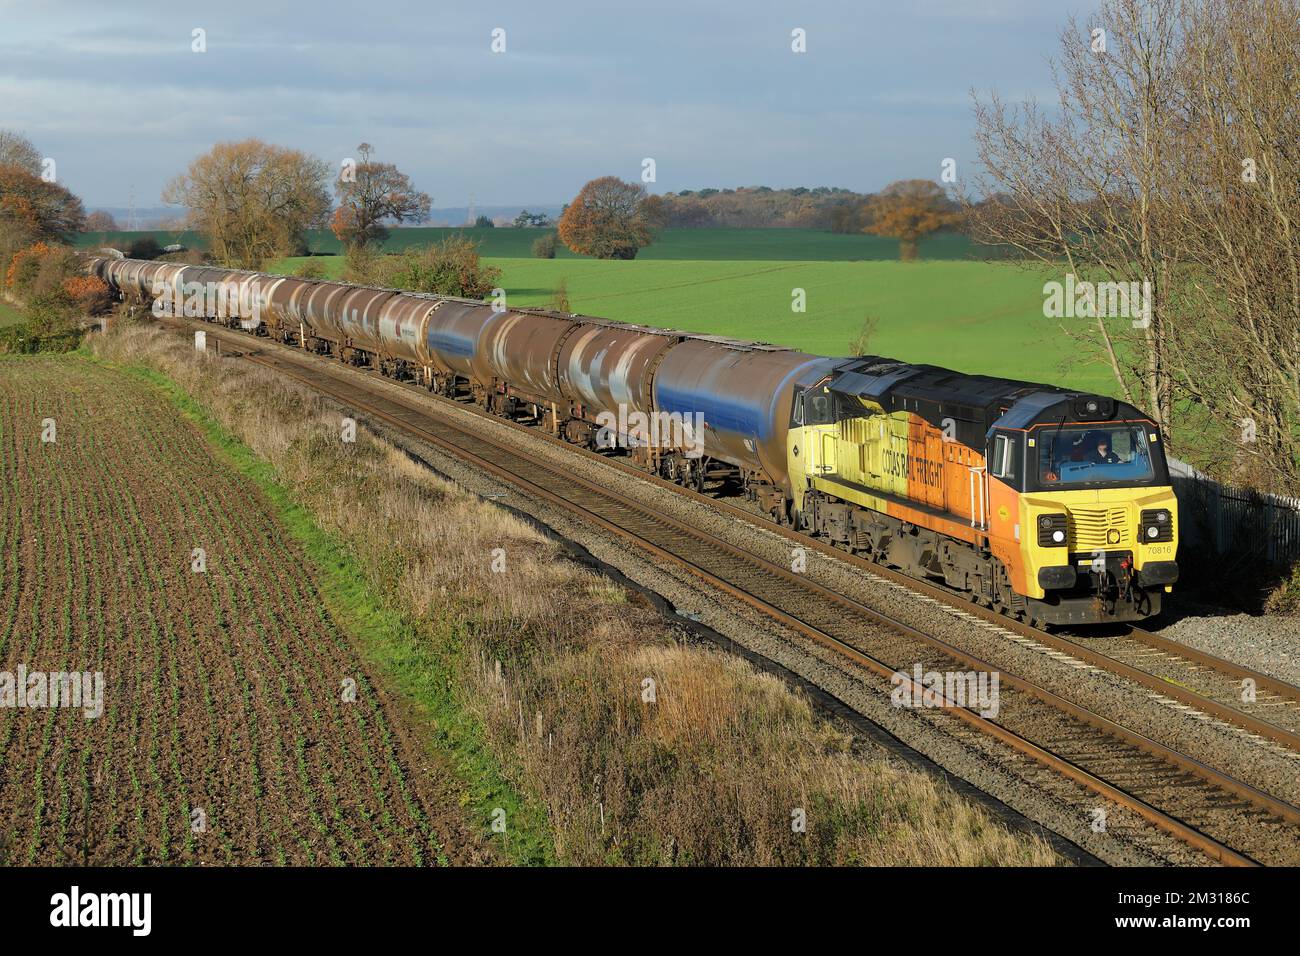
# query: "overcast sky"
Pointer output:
{"type": "Point", "coordinates": [710, 89]}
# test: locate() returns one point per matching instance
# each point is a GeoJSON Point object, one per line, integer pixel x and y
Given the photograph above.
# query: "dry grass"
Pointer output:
{"type": "Point", "coordinates": [553, 660]}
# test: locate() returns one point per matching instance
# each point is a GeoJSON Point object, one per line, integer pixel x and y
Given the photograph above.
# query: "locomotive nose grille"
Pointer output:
{"type": "Point", "coordinates": [1096, 529]}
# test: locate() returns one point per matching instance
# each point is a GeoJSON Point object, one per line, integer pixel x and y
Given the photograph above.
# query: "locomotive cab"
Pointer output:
{"type": "Point", "coordinates": [1094, 531]}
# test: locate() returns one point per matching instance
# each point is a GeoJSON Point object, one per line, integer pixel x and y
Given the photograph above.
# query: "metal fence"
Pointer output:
{"type": "Point", "coordinates": [1225, 521]}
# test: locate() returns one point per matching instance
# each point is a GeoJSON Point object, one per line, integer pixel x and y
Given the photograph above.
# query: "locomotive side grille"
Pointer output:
{"type": "Point", "coordinates": [1096, 529]}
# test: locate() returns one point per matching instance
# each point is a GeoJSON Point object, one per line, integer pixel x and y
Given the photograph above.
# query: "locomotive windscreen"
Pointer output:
{"type": "Point", "coordinates": [1110, 452]}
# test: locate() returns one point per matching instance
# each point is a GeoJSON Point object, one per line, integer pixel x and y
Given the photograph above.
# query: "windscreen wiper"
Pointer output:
{"type": "Point", "coordinates": [1051, 452]}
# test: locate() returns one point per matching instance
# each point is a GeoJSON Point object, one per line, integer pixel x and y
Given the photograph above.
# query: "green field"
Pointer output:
{"type": "Point", "coordinates": [9, 315]}
{"type": "Point", "coordinates": [973, 316]}
{"type": "Point", "coordinates": [949, 309]}
{"type": "Point", "coordinates": [803, 245]}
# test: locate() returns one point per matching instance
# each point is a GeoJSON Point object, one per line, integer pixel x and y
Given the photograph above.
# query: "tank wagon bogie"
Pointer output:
{"type": "Point", "coordinates": [1044, 503]}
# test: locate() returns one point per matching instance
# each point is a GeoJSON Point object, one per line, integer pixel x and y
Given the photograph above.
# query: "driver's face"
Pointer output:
{"type": "Point", "coordinates": [1102, 447]}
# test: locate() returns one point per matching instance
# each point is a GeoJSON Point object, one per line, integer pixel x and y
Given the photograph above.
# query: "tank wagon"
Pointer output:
{"type": "Point", "coordinates": [1048, 504]}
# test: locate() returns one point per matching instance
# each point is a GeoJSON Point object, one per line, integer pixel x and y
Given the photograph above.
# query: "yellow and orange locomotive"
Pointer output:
{"type": "Point", "coordinates": [1050, 504]}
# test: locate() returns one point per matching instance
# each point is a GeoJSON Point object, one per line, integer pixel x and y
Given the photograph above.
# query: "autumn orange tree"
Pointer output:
{"type": "Point", "coordinates": [909, 210]}
{"type": "Point", "coordinates": [89, 294]}
{"type": "Point", "coordinates": [371, 194]}
{"type": "Point", "coordinates": [25, 266]}
{"type": "Point", "coordinates": [36, 209]}
{"type": "Point", "coordinates": [609, 219]}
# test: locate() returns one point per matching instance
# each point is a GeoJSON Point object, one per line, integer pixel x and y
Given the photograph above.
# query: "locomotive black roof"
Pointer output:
{"type": "Point", "coordinates": [878, 377]}
{"type": "Point", "coordinates": [974, 402]}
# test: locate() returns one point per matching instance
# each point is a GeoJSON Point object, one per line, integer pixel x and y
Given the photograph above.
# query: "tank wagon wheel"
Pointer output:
{"type": "Point", "coordinates": [697, 477]}
{"type": "Point", "coordinates": [503, 406]}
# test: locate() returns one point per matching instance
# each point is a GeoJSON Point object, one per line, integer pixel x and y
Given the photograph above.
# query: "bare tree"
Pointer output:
{"type": "Point", "coordinates": [1173, 161]}
{"type": "Point", "coordinates": [371, 194]}
{"type": "Point", "coordinates": [1078, 191]}
{"type": "Point", "coordinates": [17, 150]}
{"type": "Point", "coordinates": [253, 200]}
{"type": "Point", "coordinates": [100, 221]}
{"type": "Point", "coordinates": [1234, 215]}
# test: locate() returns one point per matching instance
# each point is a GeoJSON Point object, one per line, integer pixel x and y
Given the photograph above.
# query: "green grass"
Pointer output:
{"type": "Point", "coordinates": [972, 316]}
{"type": "Point", "coordinates": [9, 315]}
{"type": "Point", "coordinates": [804, 245]}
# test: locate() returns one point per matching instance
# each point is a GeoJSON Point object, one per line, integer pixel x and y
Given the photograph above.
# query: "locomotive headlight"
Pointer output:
{"type": "Point", "coordinates": [1157, 525]}
{"type": "Point", "coordinates": [1051, 531]}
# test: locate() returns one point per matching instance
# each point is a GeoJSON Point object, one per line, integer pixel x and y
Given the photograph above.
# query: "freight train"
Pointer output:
{"type": "Point", "coordinates": [1051, 505]}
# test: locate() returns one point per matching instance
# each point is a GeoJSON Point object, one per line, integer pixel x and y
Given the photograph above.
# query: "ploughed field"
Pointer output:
{"type": "Point", "coordinates": [224, 735]}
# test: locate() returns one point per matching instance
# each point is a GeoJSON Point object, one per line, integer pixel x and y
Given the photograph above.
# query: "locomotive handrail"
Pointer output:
{"type": "Point", "coordinates": [977, 480]}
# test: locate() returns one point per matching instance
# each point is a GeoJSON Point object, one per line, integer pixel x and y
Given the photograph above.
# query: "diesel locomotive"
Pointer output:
{"type": "Point", "coordinates": [1048, 504]}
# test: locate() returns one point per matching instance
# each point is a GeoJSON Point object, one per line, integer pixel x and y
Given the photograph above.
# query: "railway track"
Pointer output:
{"type": "Point", "coordinates": [1190, 680]}
{"type": "Point", "coordinates": [1225, 818]}
{"type": "Point", "coordinates": [1255, 696]}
